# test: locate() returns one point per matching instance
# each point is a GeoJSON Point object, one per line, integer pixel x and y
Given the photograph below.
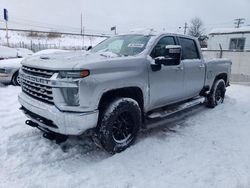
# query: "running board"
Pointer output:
{"type": "Point", "coordinates": [174, 109]}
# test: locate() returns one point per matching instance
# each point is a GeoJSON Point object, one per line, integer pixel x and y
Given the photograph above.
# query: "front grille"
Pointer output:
{"type": "Point", "coordinates": [38, 72]}
{"type": "Point", "coordinates": [34, 83]}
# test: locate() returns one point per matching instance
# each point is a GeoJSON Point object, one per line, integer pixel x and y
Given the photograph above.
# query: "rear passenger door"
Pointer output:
{"type": "Point", "coordinates": [194, 67]}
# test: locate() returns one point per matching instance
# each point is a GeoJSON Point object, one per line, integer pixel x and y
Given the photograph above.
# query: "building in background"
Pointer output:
{"type": "Point", "coordinates": [234, 39]}
{"type": "Point", "coordinates": [234, 44]}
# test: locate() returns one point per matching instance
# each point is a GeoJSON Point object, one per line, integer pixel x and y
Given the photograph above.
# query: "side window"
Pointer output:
{"type": "Point", "coordinates": [237, 44]}
{"type": "Point", "coordinates": [159, 48]}
{"type": "Point", "coordinates": [189, 49]}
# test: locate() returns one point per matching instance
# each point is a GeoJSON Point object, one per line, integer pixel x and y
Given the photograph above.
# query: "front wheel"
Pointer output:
{"type": "Point", "coordinates": [217, 94]}
{"type": "Point", "coordinates": [119, 125]}
{"type": "Point", "coordinates": [15, 80]}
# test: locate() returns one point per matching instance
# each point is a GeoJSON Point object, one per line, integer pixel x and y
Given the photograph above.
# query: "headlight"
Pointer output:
{"type": "Point", "coordinates": [71, 96]}
{"type": "Point", "coordinates": [2, 70]}
{"type": "Point", "coordinates": [5, 70]}
{"type": "Point", "coordinates": [74, 74]}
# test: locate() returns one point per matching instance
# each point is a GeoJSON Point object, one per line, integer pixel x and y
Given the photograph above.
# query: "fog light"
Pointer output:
{"type": "Point", "coordinates": [71, 96]}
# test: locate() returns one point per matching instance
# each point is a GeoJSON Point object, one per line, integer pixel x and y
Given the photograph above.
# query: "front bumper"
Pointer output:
{"type": "Point", "coordinates": [67, 123]}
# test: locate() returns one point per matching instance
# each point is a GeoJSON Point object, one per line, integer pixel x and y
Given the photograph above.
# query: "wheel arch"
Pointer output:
{"type": "Point", "coordinates": [129, 92]}
{"type": "Point", "coordinates": [222, 76]}
{"type": "Point", "coordinates": [14, 73]}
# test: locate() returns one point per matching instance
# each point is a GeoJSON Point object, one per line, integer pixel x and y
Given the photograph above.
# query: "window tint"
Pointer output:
{"type": "Point", "coordinates": [123, 45]}
{"type": "Point", "coordinates": [237, 44]}
{"type": "Point", "coordinates": [115, 46]}
{"type": "Point", "coordinates": [189, 49]}
{"type": "Point", "coordinates": [159, 49]}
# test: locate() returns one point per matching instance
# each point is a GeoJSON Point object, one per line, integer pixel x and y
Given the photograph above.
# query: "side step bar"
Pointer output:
{"type": "Point", "coordinates": [177, 108]}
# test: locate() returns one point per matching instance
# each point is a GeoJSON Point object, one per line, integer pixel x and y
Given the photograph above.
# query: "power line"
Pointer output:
{"type": "Point", "coordinates": [81, 23]}
{"type": "Point", "coordinates": [222, 23]}
{"type": "Point", "coordinates": [74, 29]}
{"type": "Point", "coordinates": [37, 24]}
{"type": "Point", "coordinates": [46, 32]}
{"type": "Point", "coordinates": [42, 23]}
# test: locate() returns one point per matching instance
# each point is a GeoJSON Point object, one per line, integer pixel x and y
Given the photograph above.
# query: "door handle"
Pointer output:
{"type": "Point", "coordinates": [179, 69]}
{"type": "Point", "coordinates": [201, 66]}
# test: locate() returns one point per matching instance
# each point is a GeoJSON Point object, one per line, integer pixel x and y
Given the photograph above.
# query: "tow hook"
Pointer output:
{"type": "Point", "coordinates": [59, 138]}
{"type": "Point", "coordinates": [31, 123]}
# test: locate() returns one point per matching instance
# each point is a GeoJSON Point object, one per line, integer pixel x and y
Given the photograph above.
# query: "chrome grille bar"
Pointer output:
{"type": "Point", "coordinates": [38, 72]}
{"type": "Point", "coordinates": [38, 86]}
{"type": "Point", "coordinates": [38, 90]}
{"type": "Point", "coordinates": [35, 79]}
{"type": "Point", "coordinates": [35, 83]}
{"type": "Point", "coordinates": [33, 94]}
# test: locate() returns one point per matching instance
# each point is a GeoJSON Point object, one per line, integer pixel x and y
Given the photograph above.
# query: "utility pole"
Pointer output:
{"type": "Point", "coordinates": [185, 28]}
{"type": "Point", "coordinates": [7, 35]}
{"type": "Point", "coordinates": [238, 22]}
{"type": "Point", "coordinates": [81, 24]}
{"type": "Point", "coordinates": [6, 18]}
{"type": "Point", "coordinates": [82, 30]}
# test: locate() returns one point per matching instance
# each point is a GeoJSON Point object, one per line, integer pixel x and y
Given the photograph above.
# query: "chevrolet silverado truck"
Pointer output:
{"type": "Point", "coordinates": [115, 88]}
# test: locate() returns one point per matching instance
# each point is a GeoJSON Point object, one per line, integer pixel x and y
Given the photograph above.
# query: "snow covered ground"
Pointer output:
{"type": "Point", "coordinates": [209, 148]}
{"type": "Point", "coordinates": [18, 39]}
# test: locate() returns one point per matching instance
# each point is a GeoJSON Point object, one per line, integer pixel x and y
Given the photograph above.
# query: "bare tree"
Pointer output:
{"type": "Point", "coordinates": [196, 28]}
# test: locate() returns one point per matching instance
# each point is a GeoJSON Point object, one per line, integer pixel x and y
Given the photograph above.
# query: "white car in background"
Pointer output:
{"type": "Point", "coordinates": [9, 71]}
{"type": "Point", "coordinates": [10, 53]}
{"type": "Point", "coordinates": [11, 63]}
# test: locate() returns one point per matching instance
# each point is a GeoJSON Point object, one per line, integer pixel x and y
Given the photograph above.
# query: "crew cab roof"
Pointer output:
{"type": "Point", "coordinates": [155, 33]}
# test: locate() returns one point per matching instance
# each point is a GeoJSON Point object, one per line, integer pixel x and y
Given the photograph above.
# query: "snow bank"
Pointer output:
{"type": "Point", "coordinates": [208, 148]}
{"type": "Point", "coordinates": [18, 39]}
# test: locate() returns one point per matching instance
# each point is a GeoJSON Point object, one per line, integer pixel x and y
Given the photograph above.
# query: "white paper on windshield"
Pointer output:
{"type": "Point", "coordinates": [134, 45]}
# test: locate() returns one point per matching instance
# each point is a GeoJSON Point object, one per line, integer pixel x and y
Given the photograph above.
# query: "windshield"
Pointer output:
{"type": "Point", "coordinates": [123, 45]}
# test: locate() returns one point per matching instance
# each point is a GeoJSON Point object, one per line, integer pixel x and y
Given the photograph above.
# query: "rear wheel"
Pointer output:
{"type": "Point", "coordinates": [217, 94]}
{"type": "Point", "coordinates": [119, 125]}
{"type": "Point", "coordinates": [15, 80]}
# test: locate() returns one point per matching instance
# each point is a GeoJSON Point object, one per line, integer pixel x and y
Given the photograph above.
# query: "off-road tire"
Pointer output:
{"type": "Point", "coordinates": [120, 118]}
{"type": "Point", "coordinates": [217, 94]}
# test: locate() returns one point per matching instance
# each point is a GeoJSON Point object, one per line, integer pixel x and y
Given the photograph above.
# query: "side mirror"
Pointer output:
{"type": "Point", "coordinates": [89, 48]}
{"type": "Point", "coordinates": [171, 55]}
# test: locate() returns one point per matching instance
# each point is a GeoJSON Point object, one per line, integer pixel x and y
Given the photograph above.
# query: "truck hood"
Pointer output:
{"type": "Point", "coordinates": [67, 60]}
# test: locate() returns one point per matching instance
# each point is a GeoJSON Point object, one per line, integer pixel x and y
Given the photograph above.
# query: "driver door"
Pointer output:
{"type": "Point", "coordinates": [166, 84]}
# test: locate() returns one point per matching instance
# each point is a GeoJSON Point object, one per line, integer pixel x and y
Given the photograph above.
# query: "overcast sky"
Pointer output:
{"type": "Point", "coordinates": [100, 15]}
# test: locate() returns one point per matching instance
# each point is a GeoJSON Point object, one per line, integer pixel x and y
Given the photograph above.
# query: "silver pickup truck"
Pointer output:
{"type": "Point", "coordinates": [115, 88]}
